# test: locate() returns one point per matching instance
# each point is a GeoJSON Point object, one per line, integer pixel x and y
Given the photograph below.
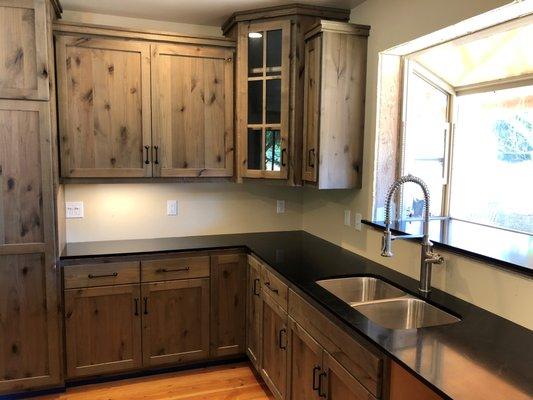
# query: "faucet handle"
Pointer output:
{"type": "Point", "coordinates": [386, 244]}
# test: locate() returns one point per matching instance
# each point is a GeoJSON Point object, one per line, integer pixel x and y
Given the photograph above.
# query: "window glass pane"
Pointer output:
{"type": "Point", "coordinates": [255, 53]}
{"type": "Point", "coordinates": [426, 133]}
{"type": "Point", "coordinates": [493, 159]}
{"type": "Point", "coordinates": [273, 100]}
{"type": "Point", "coordinates": [254, 148]}
{"type": "Point", "coordinates": [255, 102]}
{"type": "Point", "coordinates": [274, 52]}
{"type": "Point", "coordinates": [272, 150]}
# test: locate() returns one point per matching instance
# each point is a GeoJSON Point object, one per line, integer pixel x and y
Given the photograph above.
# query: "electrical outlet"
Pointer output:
{"type": "Point", "coordinates": [172, 208]}
{"type": "Point", "coordinates": [280, 206]}
{"type": "Point", "coordinates": [358, 223]}
{"type": "Point", "coordinates": [347, 217]}
{"type": "Point", "coordinates": [74, 209]}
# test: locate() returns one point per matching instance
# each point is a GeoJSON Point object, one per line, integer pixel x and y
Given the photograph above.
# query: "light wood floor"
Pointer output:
{"type": "Point", "coordinates": [227, 382]}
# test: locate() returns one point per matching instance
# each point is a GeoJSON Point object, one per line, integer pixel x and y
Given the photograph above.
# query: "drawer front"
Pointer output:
{"type": "Point", "coordinates": [359, 360]}
{"type": "Point", "coordinates": [275, 287]}
{"type": "Point", "coordinates": [175, 268]}
{"type": "Point", "coordinates": [101, 274]}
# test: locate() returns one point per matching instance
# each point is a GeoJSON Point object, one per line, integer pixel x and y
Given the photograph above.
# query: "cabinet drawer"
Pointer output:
{"type": "Point", "coordinates": [275, 287]}
{"type": "Point", "coordinates": [101, 274]}
{"type": "Point", "coordinates": [175, 268]}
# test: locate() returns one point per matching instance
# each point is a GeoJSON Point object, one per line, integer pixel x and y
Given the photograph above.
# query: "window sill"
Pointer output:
{"type": "Point", "coordinates": [506, 249]}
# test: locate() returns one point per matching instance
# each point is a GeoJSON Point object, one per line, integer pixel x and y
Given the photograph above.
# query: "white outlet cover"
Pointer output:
{"type": "Point", "coordinates": [172, 208]}
{"type": "Point", "coordinates": [347, 217]}
{"type": "Point", "coordinates": [74, 209]}
{"type": "Point", "coordinates": [280, 206]}
{"type": "Point", "coordinates": [358, 223]}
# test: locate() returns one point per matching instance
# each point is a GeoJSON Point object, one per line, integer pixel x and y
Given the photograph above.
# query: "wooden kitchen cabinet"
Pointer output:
{"type": "Point", "coordinates": [254, 312]}
{"type": "Point", "coordinates": [228, 303]}
{"type": "Point", "coordinates": [175, 320]}
{"type": "Point", "coordinates": [192, 110]}
{"type": "Point", "coordinates": [104, 107]}
{"type": "Point", "coordinates": [334, 105]}
{"type": "Point", "coordinates": [404, 386]}
{"type": "Point", "coordinates": [24, 67]}
{"type": "Point", "coordinates": [275, 343]}
{"type": "Point", "coordinates": [102, 330]}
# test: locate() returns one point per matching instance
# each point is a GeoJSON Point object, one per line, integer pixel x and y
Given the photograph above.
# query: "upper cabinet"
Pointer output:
{"type": "Point", "coordinates": [143, 107]}
{"type": "Point", "coordinates": [24, 68]}
{"type": "Point", "coordinates": [269, 87]}
{"type": "Point", "coordinates": [334, 105]}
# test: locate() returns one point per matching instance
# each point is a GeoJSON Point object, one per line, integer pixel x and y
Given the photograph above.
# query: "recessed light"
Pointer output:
{"type": "Point", "coordinates": [255, 35]}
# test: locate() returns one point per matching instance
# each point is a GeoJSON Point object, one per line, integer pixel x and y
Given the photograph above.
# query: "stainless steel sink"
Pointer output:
{"type": "Point", "coordinates": [385, 304]}
{"type": "Point", "coordinates": [407, 313]}
{"type": "Point", "coordinates": [360, 289]}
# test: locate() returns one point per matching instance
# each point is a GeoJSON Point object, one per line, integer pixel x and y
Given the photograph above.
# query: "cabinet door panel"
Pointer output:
{"type": "Point", "coordinates": [175, 321]}
{"type": "Point", "coordinates": [24, 72]}
{"type": "Point", "coordinates": [193, 110]}
{"type": "Point", "coordinates": [339, 384]}
{"type": "Point", "coordinates": [228, 303]}
{"type": "Point", "coordinates": [103, 330]}
{"type": "Point", "coordinates": [104, 107]}
{"type": "Point", "coordinates": [254, 309]}
{"type": "Point", "coordinates": [275, 345]}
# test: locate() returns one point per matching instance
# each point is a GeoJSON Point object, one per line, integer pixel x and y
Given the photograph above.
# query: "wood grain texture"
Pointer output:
{"type": "Point", "coordinates": [175, 319]}
{"type": "Point", "coordinates": [175, 268]}
{"type": "Point", "coordinates": [104, 107]}
{"type": "Point", "coordinates": [254, 312]}
{"type": "Point", "coordinates": [24, 69]}
{"type": "Point", "coordinates": [101, 274]}
{"type": "Point", "coordinates": [192, 110]}
{"type": "Point", "coordinates": [102, 330]}
{"type": "Point", "coordinates": [340, 384]}
{"type": "Point", "coordinates": [228, 303]}
{"type": "Point", "coordinates": [236, 382]}
{"type": "Point", "coordinates": [274, 287]}
{"type": "Point", "coordinates": [404, 386]}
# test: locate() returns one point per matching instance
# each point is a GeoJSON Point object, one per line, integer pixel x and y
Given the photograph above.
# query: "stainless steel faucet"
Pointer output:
{"type": "Point", "coordinates": [428, 256]}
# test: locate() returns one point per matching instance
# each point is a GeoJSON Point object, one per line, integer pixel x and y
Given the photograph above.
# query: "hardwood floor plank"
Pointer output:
{"type": "Point", "coordinates": [228, 382]}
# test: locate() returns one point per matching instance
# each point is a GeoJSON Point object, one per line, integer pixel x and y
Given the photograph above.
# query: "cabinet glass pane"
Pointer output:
{"type": "Point", "coordinates": [272, 150]}
{"type": "Point", "coordinates": [273, 100]}
{"type": "Point", "coordinates": [255, 102]}
{"type": "Point", "coordinates": [273, 52]}
{"type": "Point", "coordinates": [255, 53]}
{"type": "Point", "coordinates": [254, 148]}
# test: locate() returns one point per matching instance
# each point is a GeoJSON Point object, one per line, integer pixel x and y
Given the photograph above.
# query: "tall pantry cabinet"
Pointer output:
{"type": "Point", "coordinates": [29, 314]}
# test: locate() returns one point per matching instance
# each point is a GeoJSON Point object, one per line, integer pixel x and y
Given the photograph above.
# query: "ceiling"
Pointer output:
{"type": "Point", "coordinates": [201, 12]}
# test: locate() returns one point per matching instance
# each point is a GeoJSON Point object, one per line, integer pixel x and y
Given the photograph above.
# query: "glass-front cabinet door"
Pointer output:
{"type": "Point", "coordinates": [264, 104]}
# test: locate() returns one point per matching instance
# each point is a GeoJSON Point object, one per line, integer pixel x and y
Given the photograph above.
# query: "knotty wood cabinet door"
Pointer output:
{"type": "Point", "coordinates": [103, 330]}
{"type": "Point", "coordinates": [29, 316]}
{"type": "Point", "coordinates": [274, 347]}
{"type": "Point", "coordinates": [104, 107]}
{"type": "Point", "coordinates": [24, 70]}
{"type": "Point", "coordinates": [175, 317]}
{"type": "Point", "coordinates": [254, 312]}
{"type": "Point", "coordinates": [228, 303]}
{"type": "Point", "coordinates": [336, 383]}
{"type": "Point", "coordinates": [192, 111]}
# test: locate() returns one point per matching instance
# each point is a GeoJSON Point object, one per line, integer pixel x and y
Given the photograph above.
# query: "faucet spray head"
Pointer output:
{"type": "Point", "coordinates": [386, 244]}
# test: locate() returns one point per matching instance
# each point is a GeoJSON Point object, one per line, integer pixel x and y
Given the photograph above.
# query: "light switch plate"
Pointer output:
{"type": "Point", "coordinates": [74, 209]}
{"type": "Point", "coordinates": [358, 224]}
{"type": "Point", "coordinates": [280, 206]}
{"type": "Point", "coordinates": [172, 208]}
{"type": "Point", "coordinates": [347, 217]}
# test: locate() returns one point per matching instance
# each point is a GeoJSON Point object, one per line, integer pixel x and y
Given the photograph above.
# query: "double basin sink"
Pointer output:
{"type": "Point", "coordinates": [386, 305]}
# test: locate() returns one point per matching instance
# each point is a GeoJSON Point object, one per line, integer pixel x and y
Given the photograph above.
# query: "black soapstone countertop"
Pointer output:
{"type": "Point", "coordinates": [483, 356]}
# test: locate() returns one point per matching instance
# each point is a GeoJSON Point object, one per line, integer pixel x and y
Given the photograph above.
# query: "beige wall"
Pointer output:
{"type": "Point", "coordinates": [394, 22]}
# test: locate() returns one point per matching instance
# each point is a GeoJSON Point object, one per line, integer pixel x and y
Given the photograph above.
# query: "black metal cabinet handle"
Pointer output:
{"type": "Point", "coordinates": [309, 163]}
{"type": "Point", "coordinates": [320, 387]}
{"type": "Point", "coordinates": [136, 306]}
{"type": "Point", "coordinates": [163, 270]}
{"type": "Point", "coordinates": [145, 299]}
{"type": "Point", "coordinates": [256, 292]}
{"type": "Point", "coordinates": [273, 289]}
{"type": "Point", "coordinates": [316, 381]}
{"type": "Point", "coordinates": [156, 161]}
{"type": "Point", "coordinates": [283, 153]}
{"type": "Point", "coordinates": [147, 160]}
{"type": "Point", "coordinates": [282, 332]}
{"type": "Point", "coordinates": [113, 275]}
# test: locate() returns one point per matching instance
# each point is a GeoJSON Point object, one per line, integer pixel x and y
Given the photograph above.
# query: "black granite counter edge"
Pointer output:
{"type": "Point", "coordinates": [497, 262]}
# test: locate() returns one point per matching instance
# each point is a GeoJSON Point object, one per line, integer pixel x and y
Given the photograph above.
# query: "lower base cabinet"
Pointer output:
{"type": "Point", "coordinates": [175, 321]}
{"type": "Point", "coordinates": [103, 330]}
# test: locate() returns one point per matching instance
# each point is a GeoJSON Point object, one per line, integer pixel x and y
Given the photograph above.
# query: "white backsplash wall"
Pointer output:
{"type": "Point", "coordinates": [136, 211]}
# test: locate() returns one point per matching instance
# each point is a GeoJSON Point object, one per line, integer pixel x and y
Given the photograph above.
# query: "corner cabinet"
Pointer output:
{"type": "Point", "coordinates": [334, 105]}
{"type": "Point", "coordinates": [133, 105]}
